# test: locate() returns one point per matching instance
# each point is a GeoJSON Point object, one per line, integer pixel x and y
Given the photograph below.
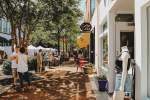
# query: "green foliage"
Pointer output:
{"type": "Point", "coordinates": [42, 18]}
{"type": "Point", "coordinates": [60, 18]}
{"type": "Point", "coordinates": [102, 77]}
{"type": "Point", "coordinates": [42, 37]}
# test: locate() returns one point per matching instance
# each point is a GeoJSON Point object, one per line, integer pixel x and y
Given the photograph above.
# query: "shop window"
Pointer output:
{"type": "Point", "coordinates": [105, 51]}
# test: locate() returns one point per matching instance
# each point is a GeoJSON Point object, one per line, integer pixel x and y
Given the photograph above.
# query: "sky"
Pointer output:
{"type": "Point", "coordinates": [83, 8]}
{"type": "Point", "coordinates": [82, 5]}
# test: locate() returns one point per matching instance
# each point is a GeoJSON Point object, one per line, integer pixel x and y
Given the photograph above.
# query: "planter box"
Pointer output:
{"type": "Point", "coordinates": [102, 85]}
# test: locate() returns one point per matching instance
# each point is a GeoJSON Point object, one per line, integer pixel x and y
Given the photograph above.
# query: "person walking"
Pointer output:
{"type": "Point", "coordinates": [22, 68]}
{"type": "Point", "coordinates": [50, 58]}
{"type": "Point", "coordinates": [14, 65]}
{"type": "Point", "coordinates": [39, 61]}
{"type": "Point", "coordinates": [80, 57]}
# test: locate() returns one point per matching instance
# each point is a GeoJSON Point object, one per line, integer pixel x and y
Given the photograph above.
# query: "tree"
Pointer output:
{"type": "Point", "coordinates": [23, 16]}
{"type": "Point", "coordinates": [32, 17]}
{"type": "Point", "coordinates": [43, 38]}
{"type": "Point", "coordinates": [9, 11]}
{"type": "Point", "coordinates": [52, 16]}
{"type": "Point", "coordinates": [64, 17]}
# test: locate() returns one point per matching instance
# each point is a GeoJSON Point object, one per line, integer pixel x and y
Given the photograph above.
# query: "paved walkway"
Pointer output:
{"type": "Point", "coordinates": [60, 83]}
{"type": "Point", "coordinates": [93, 82]}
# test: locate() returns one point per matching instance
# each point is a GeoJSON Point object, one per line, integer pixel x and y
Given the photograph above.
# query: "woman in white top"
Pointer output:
{"type": "Point", "coordinates": [23, 67]}
{"type": "Point", "coordinates": [14, 64]}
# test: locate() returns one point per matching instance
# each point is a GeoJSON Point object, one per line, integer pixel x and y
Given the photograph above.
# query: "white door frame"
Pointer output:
{"type": "Point", "coordinates": [145, 43]}
{"type": "Point", "coordinates": [141, 49]}
{"type": "Point", "coordinates": [121, 27]}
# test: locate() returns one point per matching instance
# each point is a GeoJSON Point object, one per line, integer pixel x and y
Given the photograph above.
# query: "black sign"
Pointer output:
{"type": "Point", "coordinates": [86, 27]}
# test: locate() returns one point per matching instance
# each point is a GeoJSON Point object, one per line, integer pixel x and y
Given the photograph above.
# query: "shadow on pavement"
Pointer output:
{"type": "Point", "coordinates": [58, 85]}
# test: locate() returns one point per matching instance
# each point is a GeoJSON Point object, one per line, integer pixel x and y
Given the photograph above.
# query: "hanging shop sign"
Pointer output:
{"type": "Point", "coordinates": [85, 27]}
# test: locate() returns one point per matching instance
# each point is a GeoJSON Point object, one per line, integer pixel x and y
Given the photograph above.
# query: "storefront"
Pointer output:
{"type": "Point", "coordinates": [116, 21]}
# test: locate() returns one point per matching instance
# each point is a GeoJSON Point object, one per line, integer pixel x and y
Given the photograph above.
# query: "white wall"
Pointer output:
{"type": "Point", "coordinates": [108, 11]}
{"type": "Point", "coordinates": [141, 49]}
{"type": "Point", "coordinates": [111, 50]}
{"type": "Point", "coordinates": [103, 10]}
{"type": "Point", "coordinates": [94, 19]}
{"type": "Point", "coordinates": [140, 42]}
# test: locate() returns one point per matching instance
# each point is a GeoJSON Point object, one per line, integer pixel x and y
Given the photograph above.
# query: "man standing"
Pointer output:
{"type": "Point", "coordinates": [23, 67]}
{"type": "Point", "coordinates": [39, 61]}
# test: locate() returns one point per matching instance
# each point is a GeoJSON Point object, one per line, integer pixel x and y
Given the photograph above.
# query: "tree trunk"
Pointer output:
{"type": "Point", "coordinates": [63, 44]}
{"type": "Point", "coordinates": [66, 42]}
{"type": "Point", "coordinates": [24, 35]}
{"type": "Point", "coordinates": [19, 36]}
{"type": "Point", "coordinates": [27, 38]}
{"type": "Point", "coordinates": [13, 36]}
{"type": "Point", "coordinates": [58, 42]}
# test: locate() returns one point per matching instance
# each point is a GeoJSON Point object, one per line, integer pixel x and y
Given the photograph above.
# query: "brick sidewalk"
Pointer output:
{"type": "Point", "coordinates": [61, 83]}
{"type": "Point", "coordinates": [89, 91]}
{"type": "Point", "coordinates": [93, 82]}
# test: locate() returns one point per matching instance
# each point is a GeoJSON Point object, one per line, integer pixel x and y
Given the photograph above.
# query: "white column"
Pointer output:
{"type": "Point", "coordinates": [111, 50]}
{"type": "Point", "coordinates": [141, 49]}
{"type": "Point", "coordinates": [97, 28]}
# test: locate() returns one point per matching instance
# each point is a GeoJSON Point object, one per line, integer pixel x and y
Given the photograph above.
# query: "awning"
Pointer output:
{"type": "Point", "coordinates": [5, 36]}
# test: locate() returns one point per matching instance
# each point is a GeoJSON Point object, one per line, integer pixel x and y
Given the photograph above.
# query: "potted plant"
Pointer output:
{"type": "Point", "coordinates": [88, 68]}
{"type": "Point", "coordinates": [102, 82]}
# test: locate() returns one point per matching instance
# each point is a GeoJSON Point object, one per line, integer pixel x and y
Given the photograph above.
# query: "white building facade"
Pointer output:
{"type": "Point", "coordinates": [114, 22]}
{"type": "Point", "coordinates": [142, 48]}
